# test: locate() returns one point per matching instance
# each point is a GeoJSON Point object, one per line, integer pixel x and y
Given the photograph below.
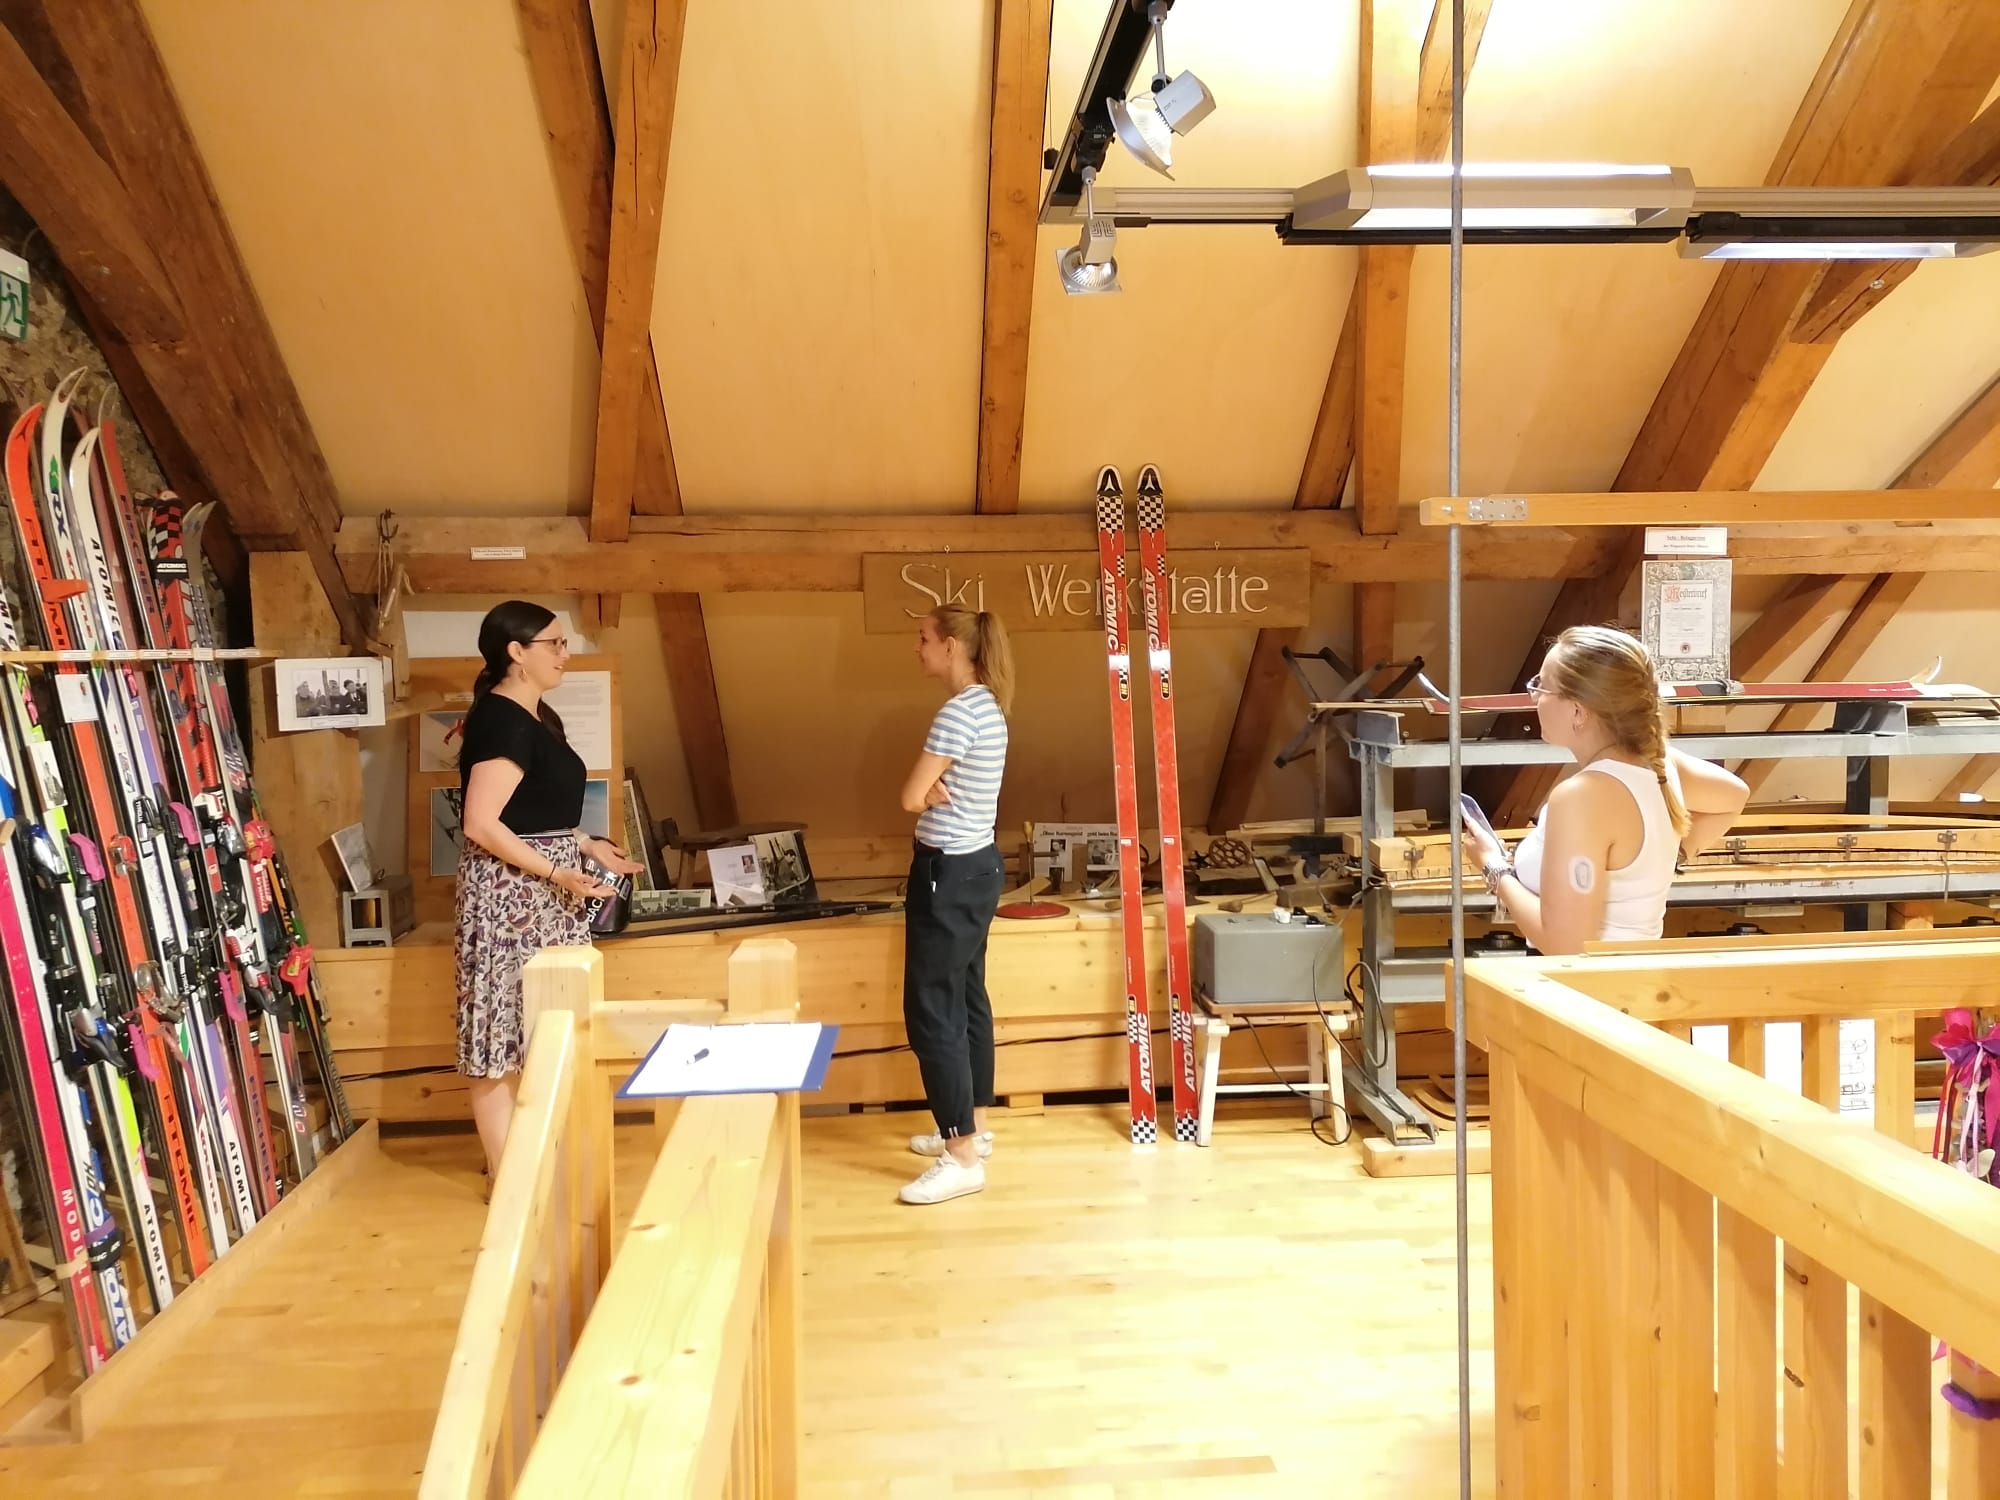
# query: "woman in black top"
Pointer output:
{"type": "Point", "coordinates": [521, 885]}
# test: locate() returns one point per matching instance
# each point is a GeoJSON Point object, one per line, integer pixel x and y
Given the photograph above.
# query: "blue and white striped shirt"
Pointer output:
{"type": "Point", "coordinates": [971, 730]}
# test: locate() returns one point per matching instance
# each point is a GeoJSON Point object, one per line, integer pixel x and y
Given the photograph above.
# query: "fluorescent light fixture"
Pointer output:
{"type": "Point", "coordinates": [1725, 249]}
{"type": "Point", "coordinates": [1559, 196]}
{"type": "Point", "coordinates": [1842, 224]}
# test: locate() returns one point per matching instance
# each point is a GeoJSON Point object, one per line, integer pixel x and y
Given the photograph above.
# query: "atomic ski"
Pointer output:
{"type": "Point", "coordinates": [1166, 776]}
{"type": "Point", "coordinates": [1125, 784]}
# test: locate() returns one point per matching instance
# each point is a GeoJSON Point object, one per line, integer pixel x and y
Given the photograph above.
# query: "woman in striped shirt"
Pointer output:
{"type": "Point", "coordinates": [955, 879]}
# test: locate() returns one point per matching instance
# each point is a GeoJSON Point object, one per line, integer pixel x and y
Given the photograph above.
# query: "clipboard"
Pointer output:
{"type": "Point", "coordinates": [780, 1057]}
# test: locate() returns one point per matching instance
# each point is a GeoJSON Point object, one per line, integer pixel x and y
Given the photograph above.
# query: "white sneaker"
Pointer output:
{"type": "Point", "coordinates": [933, 1145]}
{"type": "Point", "coordinates": [945, 1179]}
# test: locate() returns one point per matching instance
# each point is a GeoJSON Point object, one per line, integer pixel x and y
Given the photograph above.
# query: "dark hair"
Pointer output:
{"type": "Point", "coordinates": [514, 623]}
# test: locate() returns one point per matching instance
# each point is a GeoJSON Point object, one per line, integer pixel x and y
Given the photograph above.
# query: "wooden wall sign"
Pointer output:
{"type": "Point", "coordinates": [1058, 591]}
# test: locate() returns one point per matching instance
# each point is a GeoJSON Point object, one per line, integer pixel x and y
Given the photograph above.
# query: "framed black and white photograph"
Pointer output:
{"type": "Point", "coordinates": [335, 692]}
{"type": "Point", "coordinates": [781, 857]}
{"type": "Point", "coordinates": [351, 844]}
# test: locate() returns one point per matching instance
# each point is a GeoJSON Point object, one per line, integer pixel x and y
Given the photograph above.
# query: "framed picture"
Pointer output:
{"type": "Point", "coordinates": [351, 844]}
{"type": "Point", "coordinates": [738, 876]}
{"type": "Point", "coordinates": [637, 844]}
{"type": "Point", "coordinates": [447, 811]}
{"type": "Point", "coordinates": [781, 858]}
{"type": "Point", "coordinates": [333, 692]}
{"type": "Point", "coordinates": [438, 739]}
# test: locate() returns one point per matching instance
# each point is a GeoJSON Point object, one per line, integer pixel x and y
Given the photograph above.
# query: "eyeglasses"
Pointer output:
{"type": "Point", "coordinates": [1537, 687]}
{"type": "Point", "coordinates": [560, 642]}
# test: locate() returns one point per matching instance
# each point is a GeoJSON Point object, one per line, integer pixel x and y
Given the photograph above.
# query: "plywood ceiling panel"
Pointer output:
{"type": "Point", "coordinates": [822, 264]}
{"type": "Point", "coordinates": [382, 167]}
{"type": "Point", "coordinates": [1565, 348]}
{"type": "Point", "coordinates": [1211, 362]}
{"type": "Point", "coordinates": [1895, 380]}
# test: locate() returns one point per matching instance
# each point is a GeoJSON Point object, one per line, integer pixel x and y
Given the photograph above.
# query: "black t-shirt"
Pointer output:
{"type": "Point", "coordinates": [550, 796]}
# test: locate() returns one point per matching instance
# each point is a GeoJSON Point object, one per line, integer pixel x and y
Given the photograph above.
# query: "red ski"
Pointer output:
{"type": "Point", "coordinates": [1166, 775]}
{"type": "Point", "coordinates": [1125, 785]}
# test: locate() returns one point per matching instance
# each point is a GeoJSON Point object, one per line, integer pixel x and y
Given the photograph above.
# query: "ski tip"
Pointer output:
{"type": "Point", "coordinates": [1149, 480]}
{"type": "Point", "coordinates": [1931, 676]}
{"type": "Point", "coordinates": [1108, 481]}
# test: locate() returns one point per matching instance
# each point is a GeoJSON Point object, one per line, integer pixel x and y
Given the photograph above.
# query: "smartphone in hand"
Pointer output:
{"type": "Point", "coordinates": [1475, 816]}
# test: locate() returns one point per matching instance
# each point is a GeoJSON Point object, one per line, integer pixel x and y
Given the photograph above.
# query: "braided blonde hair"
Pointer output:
{"type": "Point", "coordinates": [1610, 673]}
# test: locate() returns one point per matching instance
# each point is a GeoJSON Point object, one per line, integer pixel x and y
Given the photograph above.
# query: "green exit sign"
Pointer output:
{"type": "Point", "coordinates": [13, 296]}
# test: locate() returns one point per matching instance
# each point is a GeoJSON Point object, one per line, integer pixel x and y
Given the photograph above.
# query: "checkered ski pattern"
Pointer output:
{"type": "Point", "coordinates": [1152, 509]}
{"type": "Point", "coordinates": [1139, 1033]}
{"type": "Point", "coordinates": [1110, 510]}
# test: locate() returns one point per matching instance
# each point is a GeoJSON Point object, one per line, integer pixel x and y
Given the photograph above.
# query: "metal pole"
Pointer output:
{"type": "Point", "coordinates": [1454, 625]}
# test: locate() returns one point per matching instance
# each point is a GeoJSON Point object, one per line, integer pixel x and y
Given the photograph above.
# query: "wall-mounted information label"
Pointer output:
{"type": "Point", "coordinates": [1687, 541]}
{"type": "Point", "coordinates": [499, 554]}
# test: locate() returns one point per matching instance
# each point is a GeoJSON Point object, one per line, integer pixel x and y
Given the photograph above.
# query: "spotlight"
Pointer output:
{"type": "Point", "coordinates": [1087, 267]}
{"type": "Point", "coordinates": [1148, 122]}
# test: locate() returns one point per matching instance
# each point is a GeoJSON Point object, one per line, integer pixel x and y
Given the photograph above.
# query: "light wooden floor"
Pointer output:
{"type": "Point", "coordinates": [1254, 1319]}
{"type": "Point", "coordinates": [1258, 1318]}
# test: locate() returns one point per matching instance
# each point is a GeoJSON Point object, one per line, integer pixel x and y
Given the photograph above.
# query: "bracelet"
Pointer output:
{"type": "Point", "coordinates": [552, 868]}
{"type": "Point", "coordinates": [1496, 872]}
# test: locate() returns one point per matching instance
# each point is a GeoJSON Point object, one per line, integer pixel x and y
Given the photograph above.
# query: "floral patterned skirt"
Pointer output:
{"type": "Point", "coordinates": [505, 917]}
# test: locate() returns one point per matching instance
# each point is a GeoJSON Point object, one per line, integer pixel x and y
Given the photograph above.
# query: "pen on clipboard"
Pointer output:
{"type": "Point", "coordinates": [698, 1057]}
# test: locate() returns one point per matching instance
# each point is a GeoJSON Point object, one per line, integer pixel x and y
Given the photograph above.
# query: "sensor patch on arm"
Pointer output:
{"type": "Point", "coordinates": [1583, 874]}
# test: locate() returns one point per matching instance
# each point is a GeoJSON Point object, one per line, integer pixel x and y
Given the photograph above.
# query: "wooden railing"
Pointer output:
{"type": "Point", "coordinates": [1649, 1201]}
{"type": "Point", "coordinates": [532, 1283]}
{"type": "Point", "coordinates": [682, 1381]}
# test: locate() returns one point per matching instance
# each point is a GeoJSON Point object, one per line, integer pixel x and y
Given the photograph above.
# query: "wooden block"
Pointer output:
{"type": "Point", "coordinates": [1382, 1158]}
{"type": "Point", "coordinates": [27, 1348]}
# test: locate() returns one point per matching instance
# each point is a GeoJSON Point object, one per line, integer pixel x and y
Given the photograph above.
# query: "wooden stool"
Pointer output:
{"type": "Point", "coordinates": [1325, 1025]}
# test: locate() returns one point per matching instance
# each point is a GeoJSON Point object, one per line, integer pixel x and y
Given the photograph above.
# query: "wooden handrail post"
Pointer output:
{"type": "Point", "coordinates": [572, 979]}
{"type": "Point", "coordinates": [787, 1306]}
{"type": "Point", "coordinates": [763, 976]}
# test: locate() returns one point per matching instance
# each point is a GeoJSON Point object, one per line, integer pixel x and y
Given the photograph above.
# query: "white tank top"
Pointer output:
{"type": "Point", "coordinates": [1635, 896]}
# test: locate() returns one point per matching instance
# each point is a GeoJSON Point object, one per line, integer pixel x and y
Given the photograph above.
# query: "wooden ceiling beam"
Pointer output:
{"type": "Point", "coordinates": [1965, 456]}
{"type": "Point", "coordinates": [1970, 777]}
{"type": "Point", "coordinates": [1434, 74]}
{"type": "Point", "coordinates": [697, 707]}
{"type": "Point", "coordinates": [569, 91]}
{"type": "Point", "coordinates": [1746, 510]}
{"type": "Point", "coordinates": [223, 382]}
{"type": "Point", "coordinates": [54, 172]}
{"type": "Point", "coordinates": [649, 79]}
{"type": "Point", "coordinates": [1013, 203]}
{"type": "Point", "coordinates": [1901, 78]}
{"type": "Point", "coordinates": [1847, 289]}
{"type": "Point", "coordinates": [561, 45]}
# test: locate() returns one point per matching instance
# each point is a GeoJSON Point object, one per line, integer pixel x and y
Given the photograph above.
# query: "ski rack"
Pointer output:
{"type": "Point", "coordinates": [1322, 723]}
{"type": "Point", "coordinates": [138, 654]}
{"type": "Point", "coordinates": [1390, 977]}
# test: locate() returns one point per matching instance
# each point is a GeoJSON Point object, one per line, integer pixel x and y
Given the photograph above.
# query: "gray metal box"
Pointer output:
{"type": "Point", "coordinates": [1243, 960]}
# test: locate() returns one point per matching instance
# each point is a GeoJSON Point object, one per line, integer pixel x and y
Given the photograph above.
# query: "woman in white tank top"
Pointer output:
{"type": "Point", "coordinates": [1601, 857]}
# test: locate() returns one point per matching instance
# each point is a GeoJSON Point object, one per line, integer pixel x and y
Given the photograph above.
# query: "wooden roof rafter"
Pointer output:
{"type": "Point", "coordinates": [106, 163]}
{"type": "Point", "coordinates": [569, 89]}
{"type": "Point", "coordinates": [1021, 30]}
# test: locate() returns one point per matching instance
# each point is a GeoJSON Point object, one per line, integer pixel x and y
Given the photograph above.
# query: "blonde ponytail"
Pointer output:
{"type": "Point", "coordinates": [986, 645]}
